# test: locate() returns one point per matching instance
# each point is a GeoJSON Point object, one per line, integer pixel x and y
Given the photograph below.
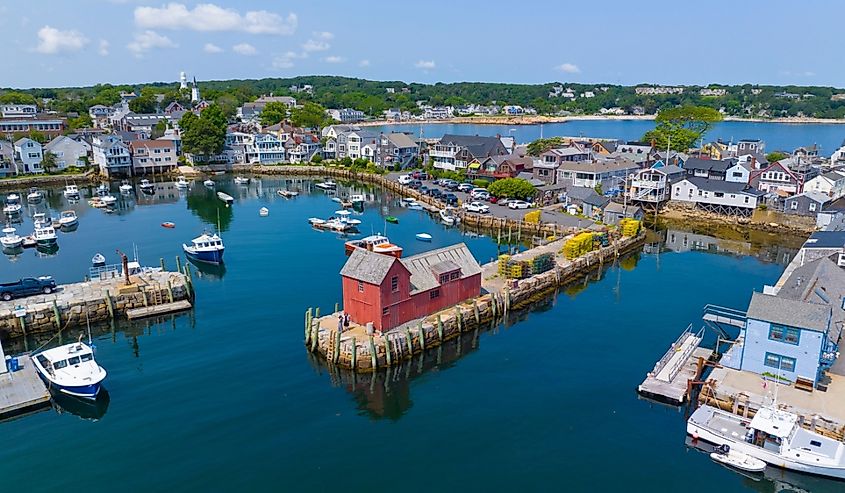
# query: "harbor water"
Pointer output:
{"type": "Point", "coordinates": [226, 397]}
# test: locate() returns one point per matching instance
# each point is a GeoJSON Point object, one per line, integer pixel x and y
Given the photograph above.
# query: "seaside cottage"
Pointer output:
{"type": "Point", "coordinates": [718, 196]}
{"type": "Point", "coordinates": [806, 204]}
{"type": "Point", "coordinates": [389, 292]}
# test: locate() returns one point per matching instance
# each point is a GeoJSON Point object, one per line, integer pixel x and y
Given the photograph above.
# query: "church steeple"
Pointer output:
{"type": "Point", "coordinates": [195, 92]}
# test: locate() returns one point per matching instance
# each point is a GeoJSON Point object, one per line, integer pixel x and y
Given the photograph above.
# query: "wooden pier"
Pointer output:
{"type": "Point", "coordinates": [153, 310]}
{"type": "Point", "coordinates": [23, 390]}
{"type": "Point", "coordinates": [669, 382]}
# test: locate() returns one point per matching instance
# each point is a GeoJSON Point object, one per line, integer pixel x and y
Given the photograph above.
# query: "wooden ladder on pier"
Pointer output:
{"type": "Point", "coordinates": [154, 295]}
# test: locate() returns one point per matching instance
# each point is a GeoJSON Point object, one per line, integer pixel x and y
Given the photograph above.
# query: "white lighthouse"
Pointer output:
{"type": "Point", "coordinates": [195, 92]}
{"type": "Point", "coordinates": [183, 80]}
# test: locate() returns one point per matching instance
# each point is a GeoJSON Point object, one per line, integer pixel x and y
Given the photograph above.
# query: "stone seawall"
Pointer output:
{"type": "Point", "coordinates": [369, 353]}
{"type": "Point", "coordinates": [47, 180]}
{"type": "Point", "coordinates": [72, 305]}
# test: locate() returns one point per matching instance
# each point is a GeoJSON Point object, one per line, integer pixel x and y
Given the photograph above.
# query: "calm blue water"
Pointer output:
{"type": "Point", "coordinates": [226, 398]}
{"type": "Point", "coordinates": [786, 136]}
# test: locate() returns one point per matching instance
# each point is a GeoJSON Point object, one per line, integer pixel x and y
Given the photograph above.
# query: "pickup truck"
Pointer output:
{"type": "Point", "coordinates": [26, 287]}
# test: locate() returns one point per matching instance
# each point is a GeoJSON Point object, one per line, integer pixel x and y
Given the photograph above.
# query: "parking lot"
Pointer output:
{"type": "Point", "coordinates": [550, 214]}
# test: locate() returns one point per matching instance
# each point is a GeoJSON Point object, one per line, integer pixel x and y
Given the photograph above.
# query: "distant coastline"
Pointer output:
{"type": "Point", "coordinates": [540, 119]}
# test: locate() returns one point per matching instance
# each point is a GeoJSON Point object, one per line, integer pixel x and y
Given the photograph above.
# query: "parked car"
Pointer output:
{"type": "Point", "coordinates": [450, 198]}
{"type": "Point", "coordinates": [405, 179]}
{"type": "Point", "coordinates": [481, 195]}
{"type": "Point", "coordinates": [493, 199]}
{"type": "Point", "coordinates": [477, 190]}
{"type": "Point", "coordinates": [476, 206]}
{"type": "Point", "coordinates": [419, 175]}
{"type": "Point", "coordinates": [435, 192]}
{"type": "Point", "coordinates": [450, 184]}
{"type": "Point", "coordinates": [503, 201]}
{"type": "Point", "coordinates": [519, 204]}
{"type": "Point", "coordinates": [465, 187]}
{"type": "Point", "coordinates": [415, 184]}
{"type": "Point", "coordinates": [423, 189]}
{"type": "Point", "coordinates": [27, 287]}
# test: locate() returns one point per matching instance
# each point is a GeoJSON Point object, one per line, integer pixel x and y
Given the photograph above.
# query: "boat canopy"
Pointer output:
{"type": "Point", "coordinates": [206, 240]}
{"type": "Point", "coordinates": [775, 423]}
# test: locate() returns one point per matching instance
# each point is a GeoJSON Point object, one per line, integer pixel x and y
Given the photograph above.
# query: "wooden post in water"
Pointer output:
{"type": "Point", "coordinates": [56, 316]}
{"type": "Point", "coordinates": [336, 306]}
{"type": "Point", "coordinates": [458, 318]}
{"type": "Point", "coordinates": [161, 261]}
{"type": "Point", "coordinates": [109, 305]}
{"type": "Point", "coordinates": [410, 343]}
{"type": "Point", "coordinates": [169, 291]}
{"type": "Point", "coordinates": [422, 336]}
{"type": "Point", "coordinates": [440, 328]}
{"type": "Point", "coordinates": [354, 354]}
{"type": "Point", "coordinates": [476, 312]}
{"type": "Point", "coordinates": [307, 326]}
{"type": "Point", "coordinates": [373, 355]}
{"type": "Point", "coordinates": [387, 354]}
{"type": "Point", "coordinates": [336, 356]}
{"type": "Point", "coordinates": [178, 264]}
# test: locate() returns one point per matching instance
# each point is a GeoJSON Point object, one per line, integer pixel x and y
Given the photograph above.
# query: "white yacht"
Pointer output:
{"type": "Point", "coordinates": [773, 436]}
{"type": "Point", "coordinates": [44, 234]}
{"type": "Point", "coordinates": [71, 369]}
{"type": "Point", "coordinates": [68, 219]}
{"type": "Point", "coordinates": [327, 185]}
{"type": "Point", "coordinates": [34, 195]}
{"type": "Point", "coordinates": [147, 187]}
{"type": "Point", "coordinates": [11, 209]}
{"type": "Point", "coordinates": [71, 191]}
{"type": "Point", "coordinates": [11, 239]}
{"type": "Point", "coordinates": [125, 187]}
{"type": "Point", "coordinates": [241, 180]}
{"type": "Point", "coordinates": [181, 182]}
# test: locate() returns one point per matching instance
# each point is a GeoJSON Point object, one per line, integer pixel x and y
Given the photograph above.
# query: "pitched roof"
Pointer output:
{"type": "Point", "coordinates": [476, 145]}
{"type": "Point", "coordinates": [793, 313]}
{"type": "Point", "coordinates": [401, 140]}
{"type": "Point", "coordinates": [620, 208]}
{"type": "Point", "coordinates": [826, 239]}
{"type": "Point", "coordinates": [694, 163]}
{"type": "Point", "coordinates": [367, 266]}
{"type": "Point", "coordinates": [722, 186]}
{"type": "Point", "coordinates": [422, 266]}
{"type": "Point", "coordinates": [814, 196]}
{"type": "Point", "coordinates": [822, 282]}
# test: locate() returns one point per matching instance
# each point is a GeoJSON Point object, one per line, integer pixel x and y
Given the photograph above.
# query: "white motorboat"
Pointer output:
{"type": "Point", "coordinates": [44, 234]}
{"type": "Point", "coordinates": [287, 193]}
{"type": "Point", "coordinates": [263, 212]}
{"type": "Point", "coordinates": [98, 260]}
{"type": "Point", "coordinates": [68, 219]}
{"type": "Point", "coordinates": [147, 187]}
{"type": "Point", "coordinates": [412, 204]}
{"type": "Point", "coordinates": [327, 185]}
{"type": "Point", "coordinates": [12, 209]}
{"type": "Point", "coordinates": [423, 236]}
{"type": "Point", "coordinates": [732, 458]}
{"type": "Point", "coordinates": [34, 195]}
{"type": "Point", "coordinates": [71, 369]}
{"type": "Point", "coordinates": [71, 191]}
{"type": "Point", "coordinates": [13, 198]}
{"type": "Point", "coordinates": [241, 180]}
{"type": "Point", "coordinates": [374, 243]}
{"type": "Point", "coordinates": [314, 221]}
{"type": "Point", "coordinates": [206, 248]}
{"type": "Point", "coordinates": [103, 189]}
{"type": "Point", "coordinates": [225, 197]}
{"type": "Point", "coordinates": [108, 200]}
{"type": "Point", "coordinates": [448, 217]}
{"type": "Point", "coordinates": [357, 199]}
{"type": "Point", "coordinates": [344, 216]}
{"type": "Point", "coordinates": [10, 239]}
{"type": "Point", "coordinates": [125, 187]}
{"type": "Point", "coordinates": [773, 436]}
{"type": "Point", "coordinates": [40, 219]}
{"type": "Point", "coordinates": [209, 183]}
{"type": "Point", "coordinates": [181, 182]}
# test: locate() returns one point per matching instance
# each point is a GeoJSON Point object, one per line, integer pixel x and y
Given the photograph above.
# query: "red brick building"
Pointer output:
{"type": "Point", "coordinates": [388, 291]}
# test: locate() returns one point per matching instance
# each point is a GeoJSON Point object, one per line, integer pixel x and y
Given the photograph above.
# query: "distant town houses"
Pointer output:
{"type": "Point", "coordinates": [346, 115]}
{"type": "Point", "coordinates": [252, 111]}
{"type": "Point", "coordinates": [657, 90]}
{"type": "Point", "coordinates": [153, 156]}
{"type": "Point", "coordinates": [18, 110]}
{"type": "Point", "coordinates": [29, 154]}
{"type": "Point", "coordinates": [456, 152]}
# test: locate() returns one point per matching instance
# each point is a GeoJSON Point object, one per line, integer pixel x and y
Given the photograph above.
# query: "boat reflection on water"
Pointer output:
{"type": "Point", "coordinates": [91, 410]}
{"type": "Point", "coordinates": [47, 250]}
{"type": "Point", "coordinates": [209, 272]}
{"type": "Point", "coordinates": [773, 479]}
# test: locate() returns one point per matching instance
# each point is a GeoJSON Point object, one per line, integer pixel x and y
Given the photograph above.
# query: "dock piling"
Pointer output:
{"type": "Point", "coordinates": [387, 354]}
{"type": "Point", "coordinates": [373, 355]}
{"type": "Point", "coordinates": [354, 354]}
{"type": "Point", "coordinates": [422, 336]}
{"type": "Point", "coordinates": [410, 343]}
{"type": "Point", "coordinates": [57, 317]}
{"type": "Point", "coordinates": [161, 261]}
{"type": "Point", "coordinates": [440, 328]}
{"type": "Point", "coordinates": [178, 264]}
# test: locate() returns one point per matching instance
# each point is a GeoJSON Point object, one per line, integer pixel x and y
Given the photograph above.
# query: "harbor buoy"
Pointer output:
{"type": "Point", "coordinates": [168, 225]}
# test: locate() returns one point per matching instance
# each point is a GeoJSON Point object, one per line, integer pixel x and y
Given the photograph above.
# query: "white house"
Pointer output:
{"type": "Point", "coordinates": [18, 110]}
{"type": "Point", "coordinates": [265, 149]}
{"type": "Point", "coordinates": [831, 184]}
{"type": "Point", "coordinates": [346, 115]}
{"type": "Point", "coordinates": [153, 156]}
{"type": "Point", "coordinates": [608, 174]}
{"type": "Point", "coordinates": [68, 152]}
{"type": "Point", "coordinates": [719, 196]}
{"type": "Point", "coordinates": [29, 154]}
{"type": "Point", "coordinates": [112, 156]}
{"type": "Point", "coordinates": [738, 172]}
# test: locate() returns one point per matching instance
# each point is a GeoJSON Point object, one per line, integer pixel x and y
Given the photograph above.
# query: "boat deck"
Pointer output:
{"type": "Point", "coordinates": [22, 390]}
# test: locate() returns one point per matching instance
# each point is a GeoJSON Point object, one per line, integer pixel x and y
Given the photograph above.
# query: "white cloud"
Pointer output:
{"type": "Point", "coordinates": [334, 59]}
{"type": "Point", "coordinates": [211, 17]}
{"type": "Point", "coordinates": [315, 45]}
{"type": "Point", "coordinates": [148, 40]}
{"type": "Point", "coordinates": [324, 35]}
{"type": "Point", "coordinates": [52, 41]}
{"type": "Point", "coordinates": [286, 59]}
{"type": "Point", "coordinates": [245, 49]}
{"type": "Point", "coordinates": [569, 68]}
{"type": "Point", "coordinates": [103, 48]}
{"type": "Point", "coordinates": [212, 48]}
{"type": "Point", "coordinates": [425, 64]}
{"type": "Point", "coordinates": [364, 63]}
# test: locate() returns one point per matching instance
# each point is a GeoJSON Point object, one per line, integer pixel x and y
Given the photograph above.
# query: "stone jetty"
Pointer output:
{"type": "Point", "coordinates": [72, 305]}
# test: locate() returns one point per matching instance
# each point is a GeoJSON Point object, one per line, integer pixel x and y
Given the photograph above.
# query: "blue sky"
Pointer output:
{"type": "Point", "coordinates": [82, 42]}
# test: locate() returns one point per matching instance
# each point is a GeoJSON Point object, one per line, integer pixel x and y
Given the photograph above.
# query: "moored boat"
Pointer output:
{"type": "Point", "coordinates": [374, 243]}
{"type": "Point", "coordinates": [34, 195]}
{"type": "Point", "coordinates": [108, 200]}
{"type": "Point", "coordinates": [44, 234]}
{"type": "Point", "coordinates": [732, 458]}
{"type": "Point", "coordinates": [206, 248]}
{"type": "Point", "coordinates": [241, 180]}
{"type": "Point", "coordinates": [147, 187]}
{"type": "Point", "coordinates": [98, 260]}
{"type": "Point", "coordinates": [423, 236]}
{"type": "Point", "coordinates": [326, 185]}
{"type": "Point", "coordinates": [287, 193]}
{"type": "Point", "coordinates": [13, 198]}
{"type": "Point", "coordinates": [71, 191]}
{"type": "Point", "coordinates": [71, 369]}
{"type": "Point", "coordinates": [392, 219]}
{"type": "Point", "coordinates": [10, 239]}
{"type": "Point", "coordinates": [181, 182]}
{"type": "Point", "coordinates": [209, 183]}
{"type": "Point", "coordinates": [448, 217]}
{"type": "Point", "coordinates": [168, 225]}
{"type": "Point", "coordinates": [773, 436]}
{"type": "Point", "coordinates": [263, 212]}
{"type": "Point", "coordinates": [125, 187]}
{"type": "Point", "coordinates": [68, 219]}
{"type": "Point", "coordinates": [12, 209]}
{"type": "Point", "coordinates": [225, 197]}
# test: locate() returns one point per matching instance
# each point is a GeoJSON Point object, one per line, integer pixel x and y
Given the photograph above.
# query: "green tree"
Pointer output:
{"type": "Point", "coordinates": [512, 188]}
{"type": "Point", "coordinates": [17, 97]}
{"type": "Point", "coordinates": [776, 156]}
{"type": "Point", "coordinates": [159, 129]}
{"type": "Point", "coordinates": [228, 105]}
{"type": "Point", "coordinates": [309, 115]}
{"type": "Point", "coordinates": [273, 113]}
{"type": "Point", "coordinates": [82, 121]}
{"type": "Point", "coordinates": [540, 146]}
{"type": "Point", "coordinates": [48, 162]}
{"type": "Point", "coordinates": [143, 104]}
{"type": "Point", "coordinates": [203, 135]}
{"type": "Point", "coordinates": [680, 127]}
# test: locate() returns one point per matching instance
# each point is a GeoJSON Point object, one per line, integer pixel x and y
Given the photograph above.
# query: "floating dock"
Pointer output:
{"type": "Point", "coordinates": [152, 311]}
{"type": "Point", "coordinates": [669, 380]}
{"type": "Point", "coordinates": [23, 390]}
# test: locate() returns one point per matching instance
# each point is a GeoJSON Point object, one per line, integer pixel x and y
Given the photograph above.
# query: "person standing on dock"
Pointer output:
{"type": "Point", "coordinates": [346, 320]}
{"type": "Point", "coordinates": [340, 323]}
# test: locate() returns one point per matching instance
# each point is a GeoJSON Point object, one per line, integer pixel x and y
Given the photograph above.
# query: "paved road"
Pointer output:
{"type": "Point", "coordinates": [551, 214]}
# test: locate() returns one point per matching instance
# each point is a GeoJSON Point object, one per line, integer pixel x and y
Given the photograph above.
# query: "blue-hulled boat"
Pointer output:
{"type": "Point", "coordinates": [206, 248]}
{"type": "Point", "coordinates": [71, 369]}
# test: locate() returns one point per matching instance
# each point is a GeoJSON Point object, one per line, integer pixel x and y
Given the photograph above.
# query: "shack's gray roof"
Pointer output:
{"type": "Point", "coordinates": [789, 312]}
{"type": "Point", "coordinates": [367, 266]}
{"type": "Point", "coordinates": [422, 266]}
{"type": "Point", "coordinates": [707, 164]}
{"type": "Point", "coordinates": [618, 208]}
{"type": "Point", "coordinates": [722, 186]}
{"type": "Point", "coordinates": [822, 282]}
{"type": "Point", "coordinates": [372, 268]}
{"type": "Point", "coordinates": [476, 145]}
{"type": "Point", "coordinates": [826, 239]}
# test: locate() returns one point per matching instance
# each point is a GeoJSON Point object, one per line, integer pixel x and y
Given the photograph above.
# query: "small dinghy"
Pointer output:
{"type": "Point", "coordinates": [98, 260]}
{"type": "Point", "coordinates": [392, 219]}
{"type": "Point", "coordinates": [732, 458]}
{"type": "Point", "coordinates": [263, 212]}
{"type": "Point", "coordinates": [225, 197]}
{"type": "Point", "coordinates": [423, 236]}
{"type": "Point", "coordinates": [209, 183]}
{"type": "Point", "coordinates": [241, 180]}
{"type": "Point", "coordinates": [168, 225]}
